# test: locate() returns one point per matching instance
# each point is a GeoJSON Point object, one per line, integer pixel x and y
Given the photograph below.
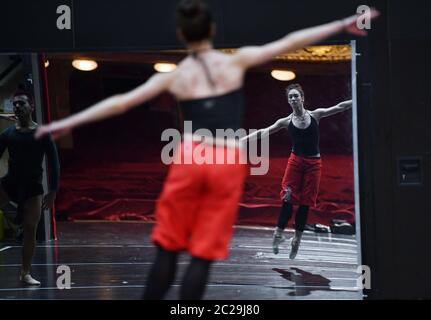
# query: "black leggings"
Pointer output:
{"type": "Point", "coordinates": [286, 214]}
{"type": "Point", "coordinates": [162, 275]}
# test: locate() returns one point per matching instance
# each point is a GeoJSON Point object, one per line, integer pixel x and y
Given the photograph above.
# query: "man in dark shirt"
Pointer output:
{"type": "Point", "coordinates": [23, 182]}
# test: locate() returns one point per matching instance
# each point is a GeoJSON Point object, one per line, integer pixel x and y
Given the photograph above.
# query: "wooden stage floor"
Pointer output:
{"type": "Point", "coordinates": [110, 260]}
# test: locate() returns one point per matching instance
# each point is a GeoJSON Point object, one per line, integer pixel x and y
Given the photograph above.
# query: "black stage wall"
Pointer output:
{"type": "Point", "coordinates": [393, 100]}
{"type": "Point", "coordinates": [394, 126]}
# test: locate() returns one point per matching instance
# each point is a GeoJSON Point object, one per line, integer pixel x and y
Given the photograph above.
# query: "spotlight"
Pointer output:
{"type": "Point", "coordinates": [165, 67]}
{"type": "Point", "coordinates": [84, 65]}
{"type": "Point", "coordinates": [283, 75]}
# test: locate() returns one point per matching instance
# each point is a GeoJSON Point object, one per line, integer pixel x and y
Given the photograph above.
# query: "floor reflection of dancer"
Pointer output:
{"type": "Point", "coordinates": [300, 184]}
{"type": "Point", "coordinates": [23, 182]}
{"type": "Point", "coordinates": [198, 204]}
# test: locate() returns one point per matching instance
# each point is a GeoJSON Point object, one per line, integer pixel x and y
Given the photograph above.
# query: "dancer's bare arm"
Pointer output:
{"type": "Point", "coordinates": [110, 107]}
{"type": "Point", "coordinates": [277, 126]}
{"type": "Point", "coordinates": [326, 112]}
{"type": "Point", "coordinates": [251, 56]}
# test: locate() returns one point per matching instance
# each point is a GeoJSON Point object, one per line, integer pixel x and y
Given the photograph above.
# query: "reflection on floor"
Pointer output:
{"type": "Point", "coordinates": [111, 261]}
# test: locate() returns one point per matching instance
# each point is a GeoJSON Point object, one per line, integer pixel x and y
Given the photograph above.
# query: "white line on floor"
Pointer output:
{"type": "Point", "coordinates": [313, 269]}
{"type": "Point", "coordinates": [178, 285]}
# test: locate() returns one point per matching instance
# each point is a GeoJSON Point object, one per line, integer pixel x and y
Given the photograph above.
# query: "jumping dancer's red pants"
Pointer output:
{"type": "Point", "coordinates": [301, 179]}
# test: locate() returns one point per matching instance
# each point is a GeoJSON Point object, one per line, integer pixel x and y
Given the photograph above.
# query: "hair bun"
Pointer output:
{"type": "Point", "coordinates": [190, 8]}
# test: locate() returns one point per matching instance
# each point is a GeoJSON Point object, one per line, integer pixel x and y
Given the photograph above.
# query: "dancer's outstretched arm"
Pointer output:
{"type": "Point", "coordinates": [109, 107]}
{"type": "Point", "coordinates": [277, 126]}
{"type": "Point", "coordinates": [255, 55]}
{"type": "Point", "coordinates": [326, 112]}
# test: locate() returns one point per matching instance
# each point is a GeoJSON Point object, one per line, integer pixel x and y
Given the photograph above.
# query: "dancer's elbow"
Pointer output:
{"type": "Point", "coordinates": [120, 103]}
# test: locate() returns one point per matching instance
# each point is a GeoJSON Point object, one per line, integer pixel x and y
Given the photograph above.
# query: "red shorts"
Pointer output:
{"type": "Point", "coordinates": [302, 179]}
{"type": "Point", "coordinates": [198, 207]}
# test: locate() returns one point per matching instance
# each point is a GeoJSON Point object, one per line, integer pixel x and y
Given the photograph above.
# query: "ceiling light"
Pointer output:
{"type": "Point", "coordinates": [283, 75]}
{"type": "Point", "coordinates": [84, 65]}
{"type": "Point", "coordinates": [165, 67]}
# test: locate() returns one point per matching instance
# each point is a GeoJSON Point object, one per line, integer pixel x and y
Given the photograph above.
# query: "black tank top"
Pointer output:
{"type": "Point", "coordinates": [217, 112]}
{"type": "Point", "coordinates": [305, 141]}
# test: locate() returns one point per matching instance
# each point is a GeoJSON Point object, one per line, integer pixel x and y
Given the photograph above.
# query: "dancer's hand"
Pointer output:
{"type": "Point", "coordinates": [56, 128]}
{"type": "Point", "coordinates": [48, 200]}
{"type": "Point", "coordinates": [351, 26]}
{"type": "Point", "coordinates": [288, 193]}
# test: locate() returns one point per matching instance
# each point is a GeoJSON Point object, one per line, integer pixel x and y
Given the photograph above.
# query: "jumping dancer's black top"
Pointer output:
{"type": "Point", "coordinates": [305, 141]}
{"type": "Point", "coordinates": [217, 112]}
{"type": "Point", "coordinates": [26, 156]}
